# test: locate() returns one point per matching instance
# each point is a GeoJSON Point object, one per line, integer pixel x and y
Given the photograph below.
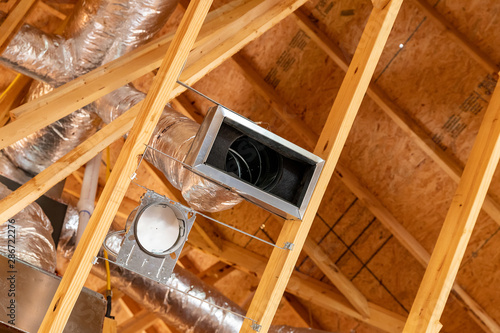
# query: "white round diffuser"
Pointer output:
{"type": "Point", "coordinates": [157, 230]}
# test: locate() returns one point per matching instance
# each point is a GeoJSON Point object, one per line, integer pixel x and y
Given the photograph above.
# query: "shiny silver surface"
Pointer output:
{"type": "Point", "coordinates": [34, 289]}
{"type": "Point", "coordinates": [204, 141]}
{"type": "Point", "coordinates": [173, 136]}
{"type": "Point", "coordinates": [134, 256]}
{"type": "Point", "coordinates": [41, 149]}
{"type": "Point", "coordinates": [33, 236]}
{"type": "Point", "coordinates": [98, 32]}
{"type": "Point", "coordinates": [179, 305]}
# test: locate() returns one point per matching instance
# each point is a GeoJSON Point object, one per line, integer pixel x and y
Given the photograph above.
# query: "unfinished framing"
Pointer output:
{"type": "Point", "coordinates": [276, 276]}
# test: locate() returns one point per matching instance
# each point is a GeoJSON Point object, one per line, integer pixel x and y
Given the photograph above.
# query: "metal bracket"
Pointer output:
{"type": "Point", "coordinates": [133, 258]}
{"type": "Point", "coordinates": [256, 327]}
{"type": "Point", "coordinates": [94, 261]}
{"type": "Point", "coordinates": [289, 246]}
{"type": "Point", "coordinates": [133, 176]}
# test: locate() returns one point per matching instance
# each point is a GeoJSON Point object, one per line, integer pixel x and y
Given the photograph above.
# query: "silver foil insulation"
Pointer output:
{"type": "Point", "coordinates": [99, 31]}
{"type": "Point", "coordinates": [37, 151]}
{"type": "Point", "coordinates": [187, 304]}
{"type": "Point", "coordinates": [171, 141]}
{"type": "Point", "coordinates": [32, 235]}
{"type": "Point", "coordinates": [102, 30]}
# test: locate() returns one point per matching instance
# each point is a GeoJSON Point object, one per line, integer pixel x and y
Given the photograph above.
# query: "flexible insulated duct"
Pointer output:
{"type": "Point", "coordinates": [99, 31]}
{"type": "Point", "coordinates": [27, 236]}
{"type": "Point", "coordinates": [188, 304]}
{"type": "Point", "coordinates": [172, 136]}
{"type": "Point", "coordinates": [102, 30]}
{"type": "Point", "coordinates": [183, 305]}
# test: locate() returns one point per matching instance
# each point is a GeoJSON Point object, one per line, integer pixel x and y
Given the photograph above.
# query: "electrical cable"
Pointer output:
{"type": "Point", "coordinates": [109, 293]}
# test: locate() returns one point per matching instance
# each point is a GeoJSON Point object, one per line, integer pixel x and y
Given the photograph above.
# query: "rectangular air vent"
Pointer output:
{"type": "Point", "coordinates": [262, 167]}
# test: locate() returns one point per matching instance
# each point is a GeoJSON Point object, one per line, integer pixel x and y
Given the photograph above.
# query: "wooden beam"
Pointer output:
{"type": "Point", "coordinates": [279, 106]}
{"type": "Point", "coordinates": [50, 107]}
{"type": "Point", "coordinates": [14, 21]}
{"type": "Point", "coordinates": [215, 272]}
{"type": "Point", "coordinates": [182, 104]}
{"type": "Point", "coordinates": [123, 212]}
{"type": "Point", "coordinates": [476, 312]}
{"type": "Point", "coordinates": [139, 322]}
{"type": "Point", "coordinates": [186, 263]}
{"type": "Point", "coordinates": [12, 96]}
{"type": "Point", "coordinates": [301, 285]}
{"type": "Point", "coordinates": [406, 239]}
{"type": "Point", "coordinates": [114, 191]}
{"type": "Point", "coordinates": [72, 161]}
{"type": "Point", "coordinates": [411, 244]}
{"type": "Point", "coordinates": [109, 325]}
{"type": "Point", "coordinates": [459, 223]}
{"type": "Point", "coordinates": [302, 312]}
{"type": "Point", "coordinates": [479, 56]}
{"type": "Point", "coordinates": [241, 26]}
{"type": "Point", "coordinates": [321, 259]}
{"type": "Point", "coordinates": [419, 135]}
{"type": "Point", "coordinates": [452, 167]}
{"type": "Point", "coordinates": [329, 147]}
{"type": "Point", "coordinates": [380, 3]}
{"type": "Point", "coordinates": [333, 273]}
{"type": "Point", "coordinates": [51, 10]}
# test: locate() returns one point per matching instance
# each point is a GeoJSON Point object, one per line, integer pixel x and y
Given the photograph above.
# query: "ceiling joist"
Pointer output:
{"type": "Point", "coordinates": [14, 21]}
{"type": "Point", "coordinates": [240, 26]}
{"type": "Point", "coordinates": [302, 286]}
{"type": "Point", "coordinates": [459, 223]}
{"type": "Point", "coordinates": [329, 147]}
{"type": "Point", "coordinates": [114, 191]}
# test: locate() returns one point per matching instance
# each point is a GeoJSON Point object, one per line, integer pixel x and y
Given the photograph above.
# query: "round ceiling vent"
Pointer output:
{"type": "Point", "coordinates": [158, 231]}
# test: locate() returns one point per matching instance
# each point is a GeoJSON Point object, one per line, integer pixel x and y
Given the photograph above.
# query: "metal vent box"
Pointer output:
{"type": "Point", "coordinates": [262, 167]}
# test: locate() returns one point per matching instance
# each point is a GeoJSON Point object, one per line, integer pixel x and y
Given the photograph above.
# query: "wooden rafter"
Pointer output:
{"type": "Point", "coordinates": [49, 106]}
{"type": "Point", "coordinates": [114, 191]}
{"type": "Point", "coordinates": [239, 26]}
{"type": "Point", "coordinates": [410, 243]}
{"type": "Point", "coordinates": [301, 311]}
{"type": "Point", "coordinates": [72, 161]}
{"type": "Point", "coordinates": [329, 268]}
{"type": "Point", "coordinates": [329, 146]}
{"type": "Point", "coordinates": [405, 238]}
{"type": "Point", "coordinates": [396, 113]}
{"type": "Point", "coordinates": [12, 96]}
{"type": "Point", "coordinates": [314, 291]}
{"type": "Point", "coordinates": [459, 223]}
{"type": "Point", "coordinates": [333, 273]}
{"type": "Point", "coordinates": [419, 135]}
{"type": "Point", "coordinates": [139, 322]}
{"type": "Point", "coordinates": [181, 104]}
{"type": "Point", "coordinates": [458, 37]}
{"type": "Point", "coordinates": [215, 272]}
{"type": "Point", "coordinates": [301, 285]}
{"type": "Point", "coordinates": [14, 21]}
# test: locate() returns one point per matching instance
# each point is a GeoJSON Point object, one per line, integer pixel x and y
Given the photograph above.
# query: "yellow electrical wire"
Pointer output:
{"type": "Point", "coordinates": [108, 172]}
{"type": "Point", "coordinates": [11, 85]}
{"type": "Point", "coordinates": [108, 272]}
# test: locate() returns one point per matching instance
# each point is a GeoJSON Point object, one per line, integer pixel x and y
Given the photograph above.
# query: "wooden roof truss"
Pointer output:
{"type": "Point", "coordinates": [237, 25]}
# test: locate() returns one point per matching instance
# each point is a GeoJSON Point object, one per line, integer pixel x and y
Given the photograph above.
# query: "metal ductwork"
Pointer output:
{"type": "Point", "coordinates": [188, 304]}
{"type": "Point", "coordinates": [28, 236]}
{"type": "Point", "coordinates": [185, 308]}
{"type": "Point", "coordinates": [100, 31]}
